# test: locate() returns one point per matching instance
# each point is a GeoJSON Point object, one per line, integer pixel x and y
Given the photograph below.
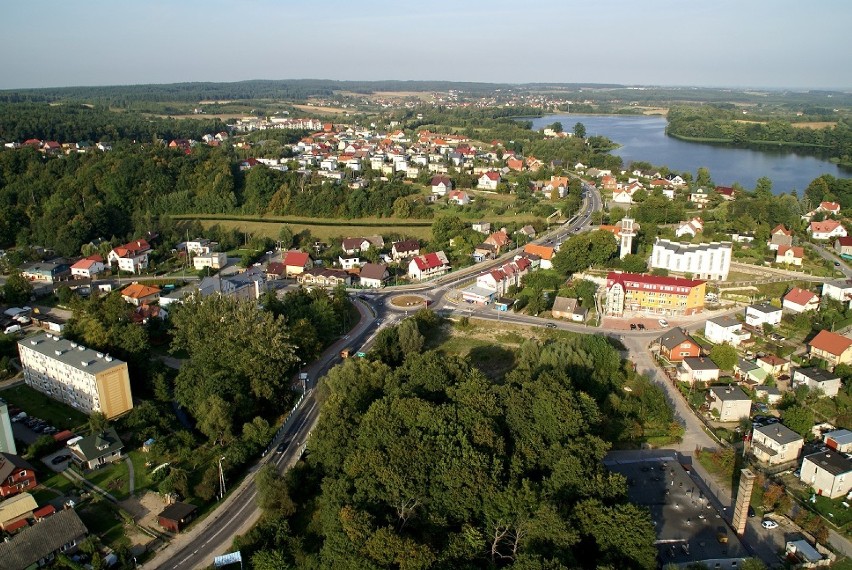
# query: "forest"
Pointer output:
{"type": "Point", "coordinates": [421, 461]}
{"type": "Point", "coordinates": [727, 124]}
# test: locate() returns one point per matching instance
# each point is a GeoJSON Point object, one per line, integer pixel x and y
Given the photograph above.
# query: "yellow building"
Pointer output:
{"type": "Point", "coordinates": [653, 294]}
{"type": "Point", "coordinates": [87, 380]}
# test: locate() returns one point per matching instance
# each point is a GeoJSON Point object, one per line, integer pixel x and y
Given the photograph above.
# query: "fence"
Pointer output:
{"type": "Point", "coordinates": [287, 421]}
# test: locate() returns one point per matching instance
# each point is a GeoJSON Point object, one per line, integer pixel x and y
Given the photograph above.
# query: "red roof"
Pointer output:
{"type": "Point", "coordinates": [428, 261]}
{"type": "Point", "coordinates": [725, 190]}
{"type": "Point", "coordinates": [798, 252]}
{"type": "Point", "coordinates": [295, 259]}
{"type": "Point", "coordinates": [13, 526]}
{"type": "Point", "coordinates": [654, 280]}
{"type": "Point", "coordinates": [830, 342]}
{"type": "Point", "coordinates": [276, 268]}
{"type": "Point", "coordinates": [85, 263]}
{"type": "Point", "coordinates": [824, 227]}
{"type": "Point", "coordinates": [845, 241]}
{"type": "Point", "coordinates": [799, 296]}
{"type": "Point", "coordinates": [133, 248]}
{"type": "Point", "coordinates": [491, 175]}
{"type": "Point", "coordinates": [437, 180]}
{"type": "Point", "coordinates": [44, 511]}
{"type": "Point", "coordinates": [830, 206]}
{"type": "Point", "coordinates": [781, 229]}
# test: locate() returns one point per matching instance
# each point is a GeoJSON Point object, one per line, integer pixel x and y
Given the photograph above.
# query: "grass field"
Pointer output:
{"type": "Point", "coordinates": [34, 403]}
{"type": "Point", "coordinates": [115, 479]}
{"type": "Point", "coordinates": [102, 520]}
{"type": "Point", "coordinates": [324, 232]}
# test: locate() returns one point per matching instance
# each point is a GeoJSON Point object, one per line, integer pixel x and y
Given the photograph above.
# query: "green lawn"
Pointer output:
{"type": "Point", "coordinates": [58, 482]}
{"type": "Point", "coordinates": [102, 520]}
{"type": "Point", "coordinates": [34, 403]}
{"type": "Point", "coordinates": [140, 472]}
{"type": "Point", "coordinates": [115, 479]}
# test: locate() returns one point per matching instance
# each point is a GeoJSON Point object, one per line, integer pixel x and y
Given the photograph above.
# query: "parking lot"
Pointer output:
{"type": "Point", "coordinates": [29, 429]}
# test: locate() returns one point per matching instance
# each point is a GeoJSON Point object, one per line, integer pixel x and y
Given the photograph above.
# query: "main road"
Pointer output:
{"type": "Point", "coordinates": [239, 511]}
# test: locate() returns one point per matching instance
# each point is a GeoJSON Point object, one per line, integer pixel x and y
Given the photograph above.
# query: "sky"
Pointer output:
{"type": "Point", "coordinates": [714, 43]}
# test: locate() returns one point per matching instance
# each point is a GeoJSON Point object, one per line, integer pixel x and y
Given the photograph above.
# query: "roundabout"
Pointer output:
{"type": "Point", "coordinates": [408, 302]}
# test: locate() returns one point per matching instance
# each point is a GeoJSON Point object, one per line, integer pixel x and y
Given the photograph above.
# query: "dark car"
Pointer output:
{"type": "Point", "coordinates": [751, 511]}
{"type": "Point", "coordinates": [641, 326]}
{"type": "Point", "coordinates": [60, 459]}
{"type": "Point", "coordinates": [551, 325]}
{"type": "Point", "coordinates": [633, 326]}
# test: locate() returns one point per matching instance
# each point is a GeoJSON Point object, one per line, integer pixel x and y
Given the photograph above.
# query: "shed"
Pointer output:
{"type": "Point", "coordinates": [176, 516]}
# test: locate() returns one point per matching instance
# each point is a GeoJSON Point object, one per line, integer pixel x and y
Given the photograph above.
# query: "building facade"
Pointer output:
{"type": "Point", "coordinates": [653, 294]}
{"type": "Point", "coordinates": [87, 380]}
{"type": "Point", "coordinates": [702, 260]}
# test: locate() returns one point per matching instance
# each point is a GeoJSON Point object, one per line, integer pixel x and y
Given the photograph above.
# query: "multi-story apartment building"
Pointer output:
{"type": "Point", "coordinates": [653, 294]}
{"type": "Point", "coordinates": [702, 260]}
{"type": "Point", "coordinates": [75, 375]}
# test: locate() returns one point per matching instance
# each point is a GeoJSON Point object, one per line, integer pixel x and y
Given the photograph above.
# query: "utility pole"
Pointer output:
{"type": "Point", "coordinates": [221, 479]}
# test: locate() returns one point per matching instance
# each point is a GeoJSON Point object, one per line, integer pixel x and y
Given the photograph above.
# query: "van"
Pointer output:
{"type": "Point", "coordinates": [12, 329]}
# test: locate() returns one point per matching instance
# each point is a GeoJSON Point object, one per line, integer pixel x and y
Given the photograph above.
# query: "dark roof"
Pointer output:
{"type": "Point", "coordinates": [374, 271]}
{"type": "Point", "coordinates": [406, 245]}
{"type": "Point", "coordinates": [673, 338]}
{"type": "Point", "coordinates": [100, 444]}
{"type": "Point", "coordinates": [35, 542]}
{"type": "Point", "coordinates": [729, 393]}
{"type": "Point", "coordinates": [700, 363]}
{"type": "Point", "coordinates": [763, 308]}
{"type": "Point", "coordinates": [177, 511]}
{"type": "Point", "coordinates": [725, 321]}
{"type": "Point", "coordinates": [817, 374]}
{"type": "Point", "coordinates": [10, 463]}
{"type": "Point", "coordinates": [831, 461]}
{"type": "Point", "coordinates": [779, 433]}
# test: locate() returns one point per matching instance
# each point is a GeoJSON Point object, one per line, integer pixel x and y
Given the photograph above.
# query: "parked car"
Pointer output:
{"type": "Point", "coordinates": [641, 326]}
{"type": "Point", "coordinates": [768, 524]}
{"type": "Point", "coordinates": [663, 322]}
{"type": "Point", "coordinates": [633, 326]}
{"type": "Point", "coordinates": [60, 459]}
{"type": "Point", "coordinates": [551, 325]}
{"type": "Point", "coordinates": [13, 329]}
{"type": "Point", "coordinates": [20, 417]}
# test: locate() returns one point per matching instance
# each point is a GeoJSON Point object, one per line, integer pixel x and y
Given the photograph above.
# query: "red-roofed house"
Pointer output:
{"type": "Point", "coordinates": [499, 240]}
{"type": "Point", "coordinates": [843, 246]}
{"type": "Point", "coordinates": [826, 229]}
{"type": "Point", "coordinates": [16, 475]}
{"type": "Point", "coordinates": [780, 236]}
{"type": "Point", "coordinates": [458, 197]}
{"type": "Point", "coordinates": [727, 192]}
{"type": "Point", "coordinates": [653, 294]}
{"type": "Point", "coordinates": [138, 294]}
{"type": "Point", "coordinates": [800, 300]}
{"type": "Point", "coordinates": [489, 180]}
{"type": "Point", "coordinates": [830, 208]}
{"type": "Point", "coordinates": [544, 252]}
{"type": "Point", "coordinates": [88, 267]}
{"type": "Point", "coordinates": [831, 347]}
{"type": "Point", "coordinates": [790, 254]}
{"type": "Point", "coordinates": [515, 164]}
{"type": "Point", "coordinates": [296, 262]}
{"type": "Point", "coordinates": [428, 266]}
{"type": "Point", "coordinates": [131, 257]}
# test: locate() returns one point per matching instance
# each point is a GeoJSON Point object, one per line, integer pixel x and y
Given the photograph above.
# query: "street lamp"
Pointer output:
{"type": "Point", "coordinates": [221, 479]}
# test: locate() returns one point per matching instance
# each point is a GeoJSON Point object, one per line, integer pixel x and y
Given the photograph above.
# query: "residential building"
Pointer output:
{"type": "Point", "coordinates": [404, 249]}
{"type": "Point", "coordinates": [700, 197]}
{"type": "Point", "coordinates": [19, 507]}
{"type": "Point", "coordinates": [214, 260]}
{"type": "Point", "coordinates": [296, 262]}
{"type": "Point", "coordinates": [46, 271]}
{"type": "Point", "coordinates": [653, 294]}
{"type": "Point", "coordinates": [818, 380]}
{"type": "Point", "coordinates": [702, 260]}
{"type": "Point", "coordinates": [697, 369]}
{"type": "Point", "coordinates": [839, 290]}
{"type": "Point", "coordinates": [774, 365]}
{"type": "Point", "coordinates": [776, 444]}
{"type": "Point", "coordinates": [481, 227]}
{"type": "Point", "coordinates": [676, 345]}
{"type": "Point", "coordinates": [727, 193]}
{"type": "Point", "coordinates": [131, 257]}
{"type": "Point", "coordinates": [568, 308]}
{"type": "Point", "coordinates": [87, 380]}
{"type": "Point", "coordinates": [843, 246]}
{"type": "Point", "coordinates": [499, 280]}
{"type": "Point", "coordinates": [428, 266]}
{"type": "Point", "coordinates": [790, 255]}
{"type": "Point", "coordinates": [458, 197]}
{"type": "Point", "coordinates": [830, 208]}
{"type": "Point", "coordinates": [355, 245]}
{"type": "Point", "coordinates": [16, 475]}
{"type": "Point", "coordinates": [37, 545]}
{"type": "Point", "coordinates": [323, 277]}
{"type": "Point", "coordinates": [690, 228]}
{"type": "Point", "coordinates": [779, 236]}
{"type": "Point", "coordinates": [138, 294]}
{"type": "Point", "coordinates": [544, 252]}
{"type": "Point", "coordinates": [799, 300]}
{"type": "Point", "coordinates": [488, 181]}
{"type": "Point", "coordinates": [826, 230]}
{"type": "Point", "coordinates": [88, 267]}
{"type": "Point", "coordinates": [829, 473]}
{"type": "Point", "coordinates": [97, 449]}
{"type": "Point", "coordinates": [198, 246]}
{"type": "Point", "coordinates": [250, 284]}
{"type": "Point", "coordinates": [730, 402]}
{"type": "Point", "coordinates": [347, 263]}
{"type": "Point", "coordinates": [441, 185]}
{"type": "Point", "coordinates": [7, 436]}
{"type": "Point", "coordinates": [771, 394]}
{"type": "Point", "coordinates": [499, 240]}
{"type": "Point", "coordinates": [176, 516]}
{"type": "Point", "coordinates": [838, 440]}
{"type": "Point", "coordinates": [373, 275]}
{"type": "Point", "coordinates": [749, 372]}
{"type": "Point", "coordinates": [832, 347]}
{"type": "Point", "coordinates": [725, 329]}
{"type": "Point", "coordinates": [762, 313]}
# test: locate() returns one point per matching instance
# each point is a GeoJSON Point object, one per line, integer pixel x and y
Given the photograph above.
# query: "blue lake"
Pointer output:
{"type": "Point", "coordinates": [644, 138]}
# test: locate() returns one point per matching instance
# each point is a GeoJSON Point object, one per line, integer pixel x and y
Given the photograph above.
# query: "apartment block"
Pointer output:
{"type": "Point", "coordinates": [702, 260]}
{"type": "Point", "coordinates": [87, 380]}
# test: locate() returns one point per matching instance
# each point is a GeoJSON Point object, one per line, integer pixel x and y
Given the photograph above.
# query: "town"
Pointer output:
{"type": "Point", "coordinates": [313, 323]}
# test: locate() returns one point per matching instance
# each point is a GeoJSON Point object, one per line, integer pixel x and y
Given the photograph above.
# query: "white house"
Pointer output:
{"type": "Point", "coordinates": [790, 255]}
{"type": "Point", "coordinates": [818, 380]}
{"type": "Point", "coordinates": [88, 267]}
{"type": "Point", "coordinates": [826, 229]}
{"type": "Point", "coordinates": [698, 369]}
{"type": "Point", "coordinates": [690, 228]}
{"type": "Point", "coordinates": [799, 300]}
{"type": "Point", "coordinates": [441, 185]}
{"type": "Point", "coordinates": [131, 257]}
{"type": "Point", "coordinates": [829, 473]}
{"type": "Point", "coordinates": [840, 290]}
{"type": "Point", "coordinates": [458, 197]}
{"type": "Point", "coordinates": [776, 444]}
{"type": "Point", "coordinates": [348, 263]}
{"type": "Point", "coordinates": [730, 402]}
{"type": "Point", "coordinates": [762, 313]}
{"type": "Point", "coordinates": [725, 329]}
{"type": "Point", "coordinates": [213, 260]}
{"type": "Point", "coordinates": [489, 180]}
{"type": "Point", "coordinates": [405, 248]}
{"type": "Point", "coordinates": [427, 266]}
{"type": "Point", "coordinates": [373, 275]}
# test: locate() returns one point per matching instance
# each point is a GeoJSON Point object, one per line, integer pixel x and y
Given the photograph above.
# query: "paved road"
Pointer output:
{"type": "Point", "coordinates": [828, 253]}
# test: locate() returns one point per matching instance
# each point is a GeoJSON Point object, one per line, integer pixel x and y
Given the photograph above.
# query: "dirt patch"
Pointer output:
{"type": "Point", "coordinates": [321, 109]}
{"type": "Point", "coordinates": [408, 301]}
{"type": "Point", "coordinates": [656, 111]}
{"type": "Point", "coordinates": [815, 125]}
{"type": "Point", "coordinates": [144, 510]}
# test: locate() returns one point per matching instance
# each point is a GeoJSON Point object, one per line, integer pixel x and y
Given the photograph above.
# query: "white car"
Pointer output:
{"type": "Point", "coordinates": [768, 524]}
{"type": "Point", "coordinates": [663, 322]}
